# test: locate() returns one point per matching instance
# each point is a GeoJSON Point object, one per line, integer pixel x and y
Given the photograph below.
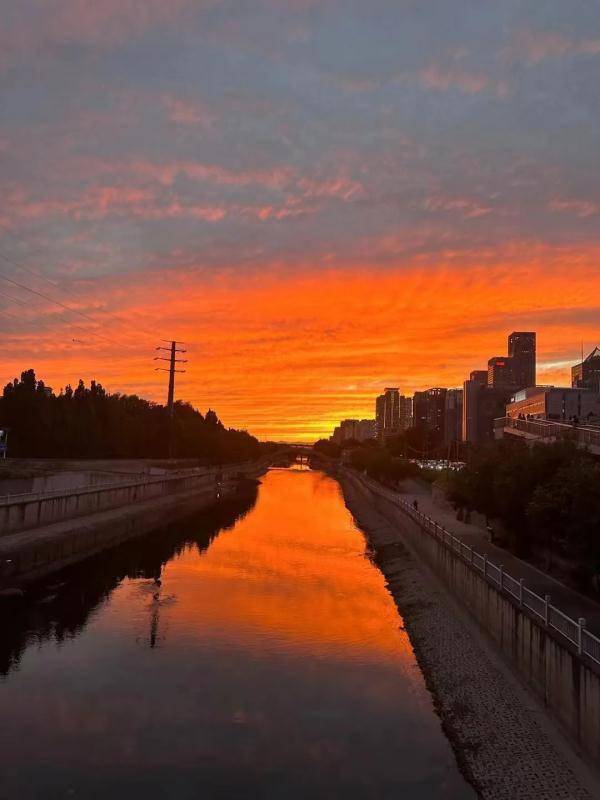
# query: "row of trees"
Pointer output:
{"type": "Point", "coordinates": [89, 422]}
{"type": "Point", "coordinates": [386, 464]}
{"type": "Point", "coordinates": [547, 498]}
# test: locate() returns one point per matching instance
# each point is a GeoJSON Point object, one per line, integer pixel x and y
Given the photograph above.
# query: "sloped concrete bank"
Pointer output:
{"type": "Point", "coordinates": [502, 737]}
{"type": "Point", "coordinates": [27, 555]}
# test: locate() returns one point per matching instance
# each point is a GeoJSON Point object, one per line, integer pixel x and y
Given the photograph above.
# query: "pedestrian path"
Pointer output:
{"type": "Point", "coordinates": [567, 600]}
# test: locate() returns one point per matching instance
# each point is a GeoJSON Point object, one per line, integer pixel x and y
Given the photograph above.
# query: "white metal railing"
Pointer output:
{"type": "Point", "coordinates": [552, 429]}
{"type": "Point", "coordinates": [553, 618]}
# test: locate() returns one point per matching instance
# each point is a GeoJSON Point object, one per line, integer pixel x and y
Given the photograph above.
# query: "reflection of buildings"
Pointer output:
{"type": "Point", "coordinates": [586, 374]}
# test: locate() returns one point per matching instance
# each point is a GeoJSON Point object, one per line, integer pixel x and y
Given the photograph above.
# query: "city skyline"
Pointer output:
{"type": "Point", "coordinates": [467, 414]}
{"type": "Point", "coordinates": [320, 199]}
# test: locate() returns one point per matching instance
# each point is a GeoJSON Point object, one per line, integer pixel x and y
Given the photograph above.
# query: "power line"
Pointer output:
{"type": "Point", "coordinates": [43, 323]}
{"type": "Point", "coordinates": [64, 290]}
{"type": "Point", "coordinates": [58, 303]}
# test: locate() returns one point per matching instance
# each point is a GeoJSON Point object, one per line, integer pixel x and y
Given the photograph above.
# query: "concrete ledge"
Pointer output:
{"type": "Point", "coordinates": [30, 554]}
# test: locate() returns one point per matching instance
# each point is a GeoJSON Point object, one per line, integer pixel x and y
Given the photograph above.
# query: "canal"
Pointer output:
{"type": "Point", "coordinates": [250, 652]}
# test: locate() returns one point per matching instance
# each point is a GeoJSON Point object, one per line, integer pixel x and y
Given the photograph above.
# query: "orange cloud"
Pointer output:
{"type": "Point", "coordinates": [286, 355]}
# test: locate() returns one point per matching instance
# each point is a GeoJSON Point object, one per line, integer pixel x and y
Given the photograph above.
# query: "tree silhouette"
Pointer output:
{"type": "Point", "coordinates": [89, 422]}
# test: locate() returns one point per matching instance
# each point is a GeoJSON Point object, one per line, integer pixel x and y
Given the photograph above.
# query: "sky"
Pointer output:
{"type": "Point", "coordinates": [320, 198]}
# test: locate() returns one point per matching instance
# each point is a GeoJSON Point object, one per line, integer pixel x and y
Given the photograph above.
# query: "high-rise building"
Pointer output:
{"type": "Point", "coordinates": [500, 373]}
{"type": "Point", "coordinates": [392, 409]}
{"type": "Point", "coordinates": [471, 389]}
{"type": "Point", "coordinates": [429, 413]}
{"type": "Point", "coordinates": [517, 370]}
{"type": "Point", "coordinates": [366, 430]}
{"type": "Point", "coordinates": [358, 430]}
{"type": "Point", "coordinates": [522, 354]}
{"type": "Point", "coordinates": [379, 415]}
{"type": "Point", "coordinates": [406, 412]}
{"type": "Point", "coordinates": [491, 404]}
{"type": "Point", "coordinates": [586, 375]}
{"type": "Point", "coordinates": [453, 416]}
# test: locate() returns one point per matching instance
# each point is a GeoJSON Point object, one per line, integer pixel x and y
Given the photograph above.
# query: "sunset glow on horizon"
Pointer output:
{"type": "Point", "coordinates": [319, 199]}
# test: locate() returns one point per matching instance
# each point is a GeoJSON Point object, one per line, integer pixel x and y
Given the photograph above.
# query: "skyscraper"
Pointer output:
{"type": "Point", "coordinates": [392, 409]}
{"type": "Point", "coordinates": [453, 416]}
{"type": "Point", "coordinates": [471, 391]}
{"type": "Point", "coordinates": [522, 354]}
{"type": "Point", "coordinates": [429, 413]}
{"type": "Point", "coordinates": [517, 370]}
{"type": "Point", "coordinates": [379, 415]}
{"type": "Point", "coordinates": [406, 412]}
{"type": "Point", "coordinates": [500, 372]}
{"type": "Point", "coordinates": [388, 413]}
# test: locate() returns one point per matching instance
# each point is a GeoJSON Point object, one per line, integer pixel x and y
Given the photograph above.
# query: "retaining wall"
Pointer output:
{"type": "Point", "coordinates": [33, 510]}
{"type": "Point", "coordinates": [82, 523]}
{"type": "Point", "coordinates": [567, 682]}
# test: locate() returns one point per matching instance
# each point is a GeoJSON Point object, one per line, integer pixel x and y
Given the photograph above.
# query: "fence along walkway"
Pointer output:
{"type": "Point", "coordinates": [583, 435]}
{"type": "Point", "coordinates": [541, 607]}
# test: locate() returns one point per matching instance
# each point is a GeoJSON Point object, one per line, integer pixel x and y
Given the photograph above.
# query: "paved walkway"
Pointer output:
{"type": "Point", "coordinates": [567, 600]}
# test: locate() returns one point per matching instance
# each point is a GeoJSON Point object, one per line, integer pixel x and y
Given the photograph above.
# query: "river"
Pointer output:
{"type": "Point", "coordinates": [251, 652]}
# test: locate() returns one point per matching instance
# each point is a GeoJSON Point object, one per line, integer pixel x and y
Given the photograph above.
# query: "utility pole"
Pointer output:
{"type": "Point", "coordinates": [173, 360]}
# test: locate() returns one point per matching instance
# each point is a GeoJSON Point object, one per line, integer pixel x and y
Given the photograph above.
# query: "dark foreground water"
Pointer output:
{"type": "Point", "coordinates": [253, 652]}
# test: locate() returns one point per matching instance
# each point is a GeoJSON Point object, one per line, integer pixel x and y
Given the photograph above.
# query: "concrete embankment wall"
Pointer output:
{"type": "Point", "coordinates": [33, 510]}
{"type": "Point", "coordinates": [567, 682]}
{"type": "Point", "coordinates": [122, 514]}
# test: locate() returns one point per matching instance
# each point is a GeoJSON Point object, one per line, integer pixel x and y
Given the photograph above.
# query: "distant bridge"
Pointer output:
{"type": "Point", "coordinates": [295, 445]}
{"type": "Point", "coordinates": [547, 431]}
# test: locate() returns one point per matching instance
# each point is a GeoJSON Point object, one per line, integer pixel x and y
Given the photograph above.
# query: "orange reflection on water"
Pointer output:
{"type": "Point", "coordinates": [291, 576]}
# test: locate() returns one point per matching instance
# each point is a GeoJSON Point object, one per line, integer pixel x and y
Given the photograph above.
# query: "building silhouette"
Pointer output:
{"type": "Point", "coordinates": [500, 372]}
{"type": "Point", "coordinates": [586, 374]}
{"type": "Point", "coordinates": [522, 355]}
{"type": "Point", "coordinates": [391, 418]}
{"type": "Point", "coordinates": [517, 370]}
{"type": "Point", "coordinates": [379, 416]}
{"type": "Point", "coordinates": [429, 414]}
{"type": "Point", "coordinates": [406, 412]}
{"type": "Point", "coordinates": [453, 412]}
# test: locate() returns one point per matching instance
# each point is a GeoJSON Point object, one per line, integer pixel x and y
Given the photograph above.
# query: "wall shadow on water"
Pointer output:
{"type": "Point", "coordinates": [59, 606]}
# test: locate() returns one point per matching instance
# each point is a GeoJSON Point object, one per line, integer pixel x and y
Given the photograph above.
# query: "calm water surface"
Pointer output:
{"type": "Point", "coordinates": [252, 652]}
